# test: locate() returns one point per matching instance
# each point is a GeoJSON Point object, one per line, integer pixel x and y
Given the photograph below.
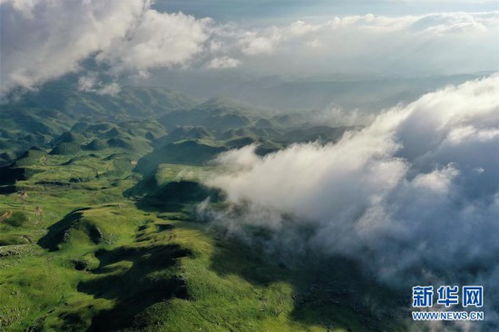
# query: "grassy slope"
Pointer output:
{"type": "Point", "coordinates": [112, 266]}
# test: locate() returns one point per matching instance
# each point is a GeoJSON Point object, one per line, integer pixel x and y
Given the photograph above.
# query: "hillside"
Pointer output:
{"type": "Point", "coordinates": [104, 213]}
{"type": "Point", "coordinates": [177, 274]}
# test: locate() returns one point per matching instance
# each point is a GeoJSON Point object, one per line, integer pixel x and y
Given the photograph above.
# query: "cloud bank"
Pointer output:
{"type": "Point", "coordinates": [414, 195]}
{"type": "Point", "coordinates": [43, 40]}
{"type": "Point", "coordinates": [426, 44]}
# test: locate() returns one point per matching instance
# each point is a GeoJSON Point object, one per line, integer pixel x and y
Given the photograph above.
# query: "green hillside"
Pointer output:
{"type": "Point", "coordinates": [112, 262]}
{"type": "Point", "coordinates": [99, 229]}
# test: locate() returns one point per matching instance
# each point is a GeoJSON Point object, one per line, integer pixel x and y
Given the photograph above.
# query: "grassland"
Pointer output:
{"type": "Point", "coordinates": [77, 254]}
{"type": "Point", "coordinates": [99, 231]}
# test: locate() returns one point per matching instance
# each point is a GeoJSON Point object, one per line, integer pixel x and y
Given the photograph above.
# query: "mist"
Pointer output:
{"type": "Point", "coordinates": [132, 40]}
{"type": "Point", "coordinates": [414, 195]}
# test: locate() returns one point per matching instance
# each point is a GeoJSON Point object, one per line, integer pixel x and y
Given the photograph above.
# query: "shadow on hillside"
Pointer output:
{"type": "Point", "coordinates": [174, 196]}
{"type": "Point", "coordinates": [329, 291]}
{"type": "Point", "coordinates": [135, 278]}
{"type": "Point", "coordinates": [8, 178]}
{"type": "Point", "coordinates": [59, 232]}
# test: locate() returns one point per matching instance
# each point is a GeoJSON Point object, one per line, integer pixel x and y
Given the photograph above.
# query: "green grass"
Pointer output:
{"type": "Point", "coordinates": [94, 260]}
{"type": "Point", "coordinates": [98, 226]}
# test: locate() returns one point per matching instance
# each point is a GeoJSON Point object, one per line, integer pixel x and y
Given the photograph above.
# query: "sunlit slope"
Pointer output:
{"type": "Point", "coordinates": [100, 230]}
{"type": "Point", "coordinates": [78, 255]}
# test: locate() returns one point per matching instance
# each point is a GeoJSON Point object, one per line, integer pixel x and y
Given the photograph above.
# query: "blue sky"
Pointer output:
{"type": "Point", "coordinates": [285, 10]}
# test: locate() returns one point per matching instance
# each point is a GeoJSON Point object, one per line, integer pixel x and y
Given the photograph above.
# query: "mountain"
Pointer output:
{"type": "Point", "coordinates": [101, 202]}
{"type": "Point", "coordinates": [215, 114]}
{"type": "Point", "coordinates": [35, 118]}
{"type": "Point", "coordinates": [129, 102]}
{"type": "Point", "coordinates": [289, 93]}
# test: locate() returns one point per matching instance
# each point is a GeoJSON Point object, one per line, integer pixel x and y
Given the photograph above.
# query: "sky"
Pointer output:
{"type": "Point", "coordinates": [295, 39]}
{"type": "Point", "coordinates": [285, 10]}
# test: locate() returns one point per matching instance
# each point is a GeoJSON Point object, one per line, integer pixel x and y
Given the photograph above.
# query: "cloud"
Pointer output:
{"type": "Point", "coordinates": [223, 62]}
{"type": "Point", "coordinates": [158, 40]}
{"type": "Point", "coordinates": [414, 195]}
{"type": "Point", "coordinates": [90, 83]}
{"type": "Point", "coordinates": [42, 40]}
{"type": "Point", "coordinates": [255, 43]}
{"type": "Point", "coordinates": [433, 43]}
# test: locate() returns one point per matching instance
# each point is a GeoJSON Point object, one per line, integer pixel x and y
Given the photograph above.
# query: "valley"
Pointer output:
{"type": "Point", "coordinates": [99, 231]}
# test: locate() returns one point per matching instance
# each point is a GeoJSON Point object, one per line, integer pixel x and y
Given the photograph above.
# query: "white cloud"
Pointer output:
{"type": "Point", "coordinates": [255, 43]}
{"type": "Point", "coordinates": [403, 195]}
{"type": "Point", "coordinates": [434, 43]}
{"type": "Point", "coordinates": [439, 180]}
{"type": "Point", "coordinates": [90, 83]}
{"type": "Point", "coordinates": [43, 40]}
{"type": "Point", "coordinates": [237, 160]}
{"type": "Point", "coordinates": [158, 40]}
{"type": "Point", "coordinates": [223, 62]}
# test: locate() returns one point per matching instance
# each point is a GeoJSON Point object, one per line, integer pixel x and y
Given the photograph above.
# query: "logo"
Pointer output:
{"type": "Point", "coordinates": [473, 296]}
{"type": "Point", "coordinates": [422, 296]}
{"type": "Point", "coordinates": [447, 296]}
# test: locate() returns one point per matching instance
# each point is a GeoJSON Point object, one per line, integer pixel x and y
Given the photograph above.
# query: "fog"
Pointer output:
{"type": "Point", "coordinates": [414, 195]}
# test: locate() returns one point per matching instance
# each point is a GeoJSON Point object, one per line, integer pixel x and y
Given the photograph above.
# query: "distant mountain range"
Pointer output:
{"type": "Point", "coordinates": [62, 120]}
